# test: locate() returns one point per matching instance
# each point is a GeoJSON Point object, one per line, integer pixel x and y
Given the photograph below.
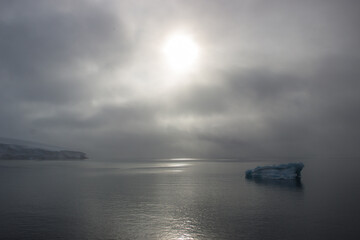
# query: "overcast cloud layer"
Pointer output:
{"type": "Point", "coordinates": [274, 78]}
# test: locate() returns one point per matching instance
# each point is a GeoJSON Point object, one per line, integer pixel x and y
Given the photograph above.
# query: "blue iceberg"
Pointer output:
{"type": "Point", "coordinates": [281, 171]}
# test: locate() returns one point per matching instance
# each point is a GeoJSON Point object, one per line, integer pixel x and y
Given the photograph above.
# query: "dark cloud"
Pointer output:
{"type": "Point", "coordinates": [275, 79]}
{"type": "Point", "coordinates": [46, 49]}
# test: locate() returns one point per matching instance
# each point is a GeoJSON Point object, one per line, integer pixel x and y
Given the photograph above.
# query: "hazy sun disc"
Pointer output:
{"type": "Point", "coordinates": [181, 52]}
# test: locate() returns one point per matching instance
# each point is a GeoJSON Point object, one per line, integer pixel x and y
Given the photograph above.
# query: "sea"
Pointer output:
{"type": "Point", "coordinates": [177, 199]}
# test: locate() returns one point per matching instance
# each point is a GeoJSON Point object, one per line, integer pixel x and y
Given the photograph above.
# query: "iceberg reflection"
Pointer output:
{"type": "Point", "coordinates": [291, 184]}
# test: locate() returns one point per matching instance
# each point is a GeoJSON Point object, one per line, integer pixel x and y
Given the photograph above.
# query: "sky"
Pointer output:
{"type": "Point", "coordinates": [273, 78]}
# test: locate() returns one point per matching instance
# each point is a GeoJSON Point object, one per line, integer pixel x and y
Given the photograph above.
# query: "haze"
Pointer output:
{"type": "Point", "coordinates": [273, 78]}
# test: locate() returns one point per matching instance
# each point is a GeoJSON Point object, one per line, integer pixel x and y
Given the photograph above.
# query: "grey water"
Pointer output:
{"type": "Point", "coordinates": [175, 199]}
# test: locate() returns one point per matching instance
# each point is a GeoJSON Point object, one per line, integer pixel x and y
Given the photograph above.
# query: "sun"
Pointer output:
{"type": "Point", "coordinates": [181, 52]}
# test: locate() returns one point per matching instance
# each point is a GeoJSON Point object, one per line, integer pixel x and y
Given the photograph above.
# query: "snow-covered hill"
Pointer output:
{"type": "Point", "coordinates": [19, 149]}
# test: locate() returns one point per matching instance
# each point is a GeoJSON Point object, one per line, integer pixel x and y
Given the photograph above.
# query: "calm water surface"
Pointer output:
{"type": "Point", "coordinates": [175, 199]}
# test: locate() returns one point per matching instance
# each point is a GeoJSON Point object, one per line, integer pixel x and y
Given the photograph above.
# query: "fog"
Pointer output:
{"type": "Point", "coordinates": [273, 79]}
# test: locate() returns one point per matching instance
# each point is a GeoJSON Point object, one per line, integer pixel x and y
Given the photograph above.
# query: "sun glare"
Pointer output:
{"type": "Point", "coordinates": [181, 52]}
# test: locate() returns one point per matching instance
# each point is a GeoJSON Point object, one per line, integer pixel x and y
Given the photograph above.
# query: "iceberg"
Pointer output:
{"type": "Point", "coordinates": [281, 171]}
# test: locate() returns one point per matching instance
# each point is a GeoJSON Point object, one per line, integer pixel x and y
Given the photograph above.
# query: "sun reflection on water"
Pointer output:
{"type": "Point", "coordinates": [181, 230]}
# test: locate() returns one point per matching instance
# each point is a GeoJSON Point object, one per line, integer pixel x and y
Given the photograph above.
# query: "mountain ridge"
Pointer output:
{"type": "Point", "coordinates": [16, 149]}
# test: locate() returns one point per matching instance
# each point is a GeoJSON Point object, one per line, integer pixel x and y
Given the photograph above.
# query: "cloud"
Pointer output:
{"type": "Point", "coordinates": [48, 53]}
{"type": "Point", "coordinates": [53, 55]}
{"type": "Point", "coordinates": [275, 79]}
